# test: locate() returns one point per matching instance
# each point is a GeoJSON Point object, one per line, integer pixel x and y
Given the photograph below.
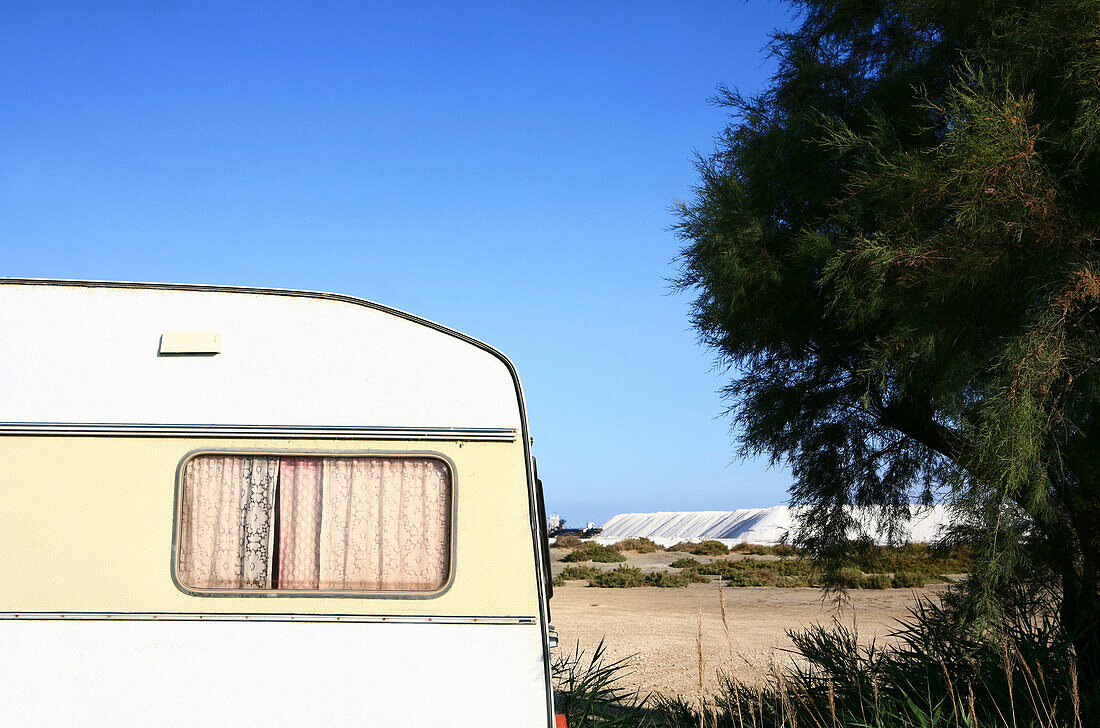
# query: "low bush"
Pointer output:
{"type": "Point", "coordinates": [755, 549]}
{"type": "Point", "coordinates": [641, 545]}
{"type": "Point", "coordinates": [580, 573]}
{"type": "Point", "coordinates": [914, 557]}
{"type": "Point", "coordinates": [877, 581]}
{"type": "Point", "coordinates": [568, 541]}
{"type": "Point", "coordinates": [701, 548]}
{"type": "Point", "coordinates": [710, 548]}
{"type": "Point", "coordinates": [668, 579]}
{"type": "Point", "coordinates": [760, 573]}
{"type": "Point", "coordinates": [847, 577]}
{"type": "Point", "coordinates": [621, 577]}
{"type": "Point", "coordinates": [594, 552]}
{"type": "Point", "coordinates": [686, 563]}
{"type": "Point", "coordinates": [910, 580]}
{"type": "Point", "coordinates": [625, 577]}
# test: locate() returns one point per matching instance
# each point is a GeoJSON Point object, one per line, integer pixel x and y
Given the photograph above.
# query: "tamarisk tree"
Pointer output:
{"type": "Point", "coordinates": [895, 249]}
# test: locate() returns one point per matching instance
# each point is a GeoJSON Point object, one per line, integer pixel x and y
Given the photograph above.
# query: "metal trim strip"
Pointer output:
{"type": "Point", "coordinates": [76, 429]}
{"type": "Point", "coordinates": [262, 617]}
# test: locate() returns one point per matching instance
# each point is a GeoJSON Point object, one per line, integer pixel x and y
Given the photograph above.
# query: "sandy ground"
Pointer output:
{"type": "Point", "coordinates": [660, 628]}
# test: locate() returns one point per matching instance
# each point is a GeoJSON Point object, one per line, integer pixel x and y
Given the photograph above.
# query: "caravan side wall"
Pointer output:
{"type": "Point", "coordinates": [94, 428]}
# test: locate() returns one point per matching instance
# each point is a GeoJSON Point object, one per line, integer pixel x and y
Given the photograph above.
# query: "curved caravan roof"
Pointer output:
{"type": "Point", "coordinates": [89, 354]}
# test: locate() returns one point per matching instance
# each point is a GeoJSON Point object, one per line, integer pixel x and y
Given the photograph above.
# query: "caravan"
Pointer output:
{"type": "Point", "coordinates": [229, 506]}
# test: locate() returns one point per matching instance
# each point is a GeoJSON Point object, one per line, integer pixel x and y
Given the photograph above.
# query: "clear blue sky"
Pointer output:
{"type": "Point", "coordinates": [505, 170]}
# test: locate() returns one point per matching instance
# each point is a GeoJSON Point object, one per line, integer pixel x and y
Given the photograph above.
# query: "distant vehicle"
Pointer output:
{"type": "Point", "coordinates": [580, 532]}
{"type": "Point", "coordinates": [231, 506]}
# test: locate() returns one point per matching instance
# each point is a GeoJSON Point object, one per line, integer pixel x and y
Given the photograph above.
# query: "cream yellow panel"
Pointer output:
{"type": "Point", "coordinates": [86, 525]}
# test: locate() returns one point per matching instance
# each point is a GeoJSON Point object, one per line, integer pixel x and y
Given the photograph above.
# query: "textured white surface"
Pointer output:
{"type": "Point", "coordinates": [749, 525]}
{"type": "Point", "coordinates": [100, 673]}
{"type": "Point", "coordinates": [71, 354]}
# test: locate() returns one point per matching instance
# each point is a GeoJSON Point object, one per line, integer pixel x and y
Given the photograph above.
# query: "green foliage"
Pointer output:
{"type": "Point", "coordinates": [755, 549]}
{"type": "Point", "coordinates": [592, 551]}
{"type": "Point", "coordinates": [669, 580]}
{"type": "Point", "coordinates": [710, 548]}
{"type": "Point", "coordinates": [641, 545]}
{"type": "Point", "coordinates": [621, 577]}
{"type": "Point", "coordinates": [701, 548]}
{"type": "Point", "coordinates": [867, 567]}
{"type": "Point", "coordinates": [877, 581]}
{"type": "Point", "coordinates": [685, 563]}
{"type": "Point", "coordinates": [746, 572]}
{"type": "Point", "coordinates": [590, 692]}
{"type": "Point", "coordinates": [568, 541]}
{"type": "Point", "coordinates": [846, 577]}
{"type": "Point", "coordinates": [910, 580]}
{"type": "Point", "coordinates": [896, 249]}
{"type": "Point", "coordinates": [579, 573]}
{"type": "Point", "coordinates": [912, 557]}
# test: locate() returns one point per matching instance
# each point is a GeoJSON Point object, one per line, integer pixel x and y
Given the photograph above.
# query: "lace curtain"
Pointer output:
{"type": "Point", "coordinates": [226, 529]}
{"type": "Point", "coordinates": [343, 523]}
{"type": "Point", "coordinates": [300, 522]}
{"type": "Point", "coordinates": [383, 524]}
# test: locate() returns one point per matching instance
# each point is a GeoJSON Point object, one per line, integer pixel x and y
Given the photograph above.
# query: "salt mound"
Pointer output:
{"type": "Point", "coordinates": [766, 526]}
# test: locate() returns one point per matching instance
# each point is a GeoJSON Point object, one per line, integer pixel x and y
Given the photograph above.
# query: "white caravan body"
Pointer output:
{"type": "Point", "coordinates": [123, 407]}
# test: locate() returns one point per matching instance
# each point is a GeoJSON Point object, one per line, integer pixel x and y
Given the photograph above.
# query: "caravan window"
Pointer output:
{"type": "Point", "coordinates": [345, 524]}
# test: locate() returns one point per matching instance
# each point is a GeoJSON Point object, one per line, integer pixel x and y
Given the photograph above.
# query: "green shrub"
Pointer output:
{"type": "Point", "coordinates": [594, 552]}
{"type": "Point", "coordinates": [579, 573]}
{"type": "Point", "coordinates": [667, 579]}
{"type": "Point", "coordinates": [710, 548]}
{"type": "Point", "coordinates": [909, 580]}
{"type": "Point", "coordinates": [756, 573]}
{"type": "Point", "coordinates": [915, 557]}
{"type": "Point", "coordinates": [847, 577]}
{"type": "Point", "coordinates": [755, 549]}
{"type": "Point", "coordinates": [621, 577]}
{"type": "Point", "coordinates": [568, 541]}
{"type": "Point", "coordinates": [641, 545]}
{"type": "Point", "coordinates": [702, 548]}
{"type": "Point", "coordinates": [877, 581]}
{"type": "Point", "coordinates": [557, 581]}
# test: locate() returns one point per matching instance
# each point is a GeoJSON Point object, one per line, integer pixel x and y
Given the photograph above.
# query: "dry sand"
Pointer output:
{"type": "Point", "coordinates": [659, 627]}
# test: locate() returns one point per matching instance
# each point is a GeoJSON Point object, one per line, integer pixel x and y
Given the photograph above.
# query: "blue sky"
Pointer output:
{"type": "Point", "coordinates": [506, 170]}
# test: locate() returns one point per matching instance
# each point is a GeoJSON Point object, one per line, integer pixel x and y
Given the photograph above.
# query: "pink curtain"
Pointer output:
{"type": "Point", "coordinates": [344, 523]}
{"type": "Point", "coordinates": [299, 522]}
{"type": "Point", "coordinates": [384, 524]}
{"type": "Point", "coordinates": [364, 524]}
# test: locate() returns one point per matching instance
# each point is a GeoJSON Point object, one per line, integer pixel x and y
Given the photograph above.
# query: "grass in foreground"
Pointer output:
{"type": "Point", "coordinates": [932, 676]}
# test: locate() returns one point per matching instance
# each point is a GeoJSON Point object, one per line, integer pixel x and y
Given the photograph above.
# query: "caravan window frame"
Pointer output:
{"type": "Point", "coordinates": [452, 512]}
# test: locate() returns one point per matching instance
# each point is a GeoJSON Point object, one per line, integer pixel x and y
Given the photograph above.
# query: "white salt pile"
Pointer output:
{"type": "Point", "coordinates": [765, 526]}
